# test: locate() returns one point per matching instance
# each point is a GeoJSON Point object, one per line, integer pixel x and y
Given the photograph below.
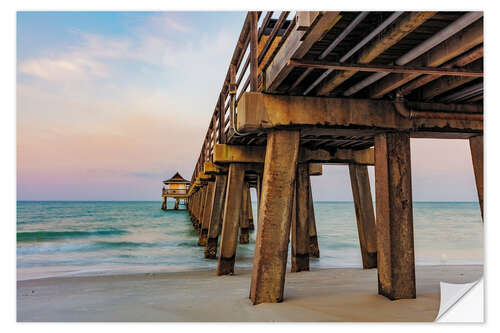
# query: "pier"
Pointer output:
{"type": "Point", "coordinates": [306, 89]}
{"type": "Point", "coordinates": [177, 188]}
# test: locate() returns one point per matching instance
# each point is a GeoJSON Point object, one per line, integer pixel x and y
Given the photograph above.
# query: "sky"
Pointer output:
{"type": "Point", "coordinates": [110, 104]}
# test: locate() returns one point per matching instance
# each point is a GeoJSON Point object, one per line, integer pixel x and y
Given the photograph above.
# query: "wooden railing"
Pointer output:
{"type": "Point", "coordinates": [241, 78]}
{"type": "Point", "coordinates": [175, 191]}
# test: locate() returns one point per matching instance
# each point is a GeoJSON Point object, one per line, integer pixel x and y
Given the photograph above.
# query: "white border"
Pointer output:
{"type": "Point", "coordinates": [7, 132]}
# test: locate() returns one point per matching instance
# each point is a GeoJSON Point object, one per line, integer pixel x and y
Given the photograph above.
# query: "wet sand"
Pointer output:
{"type": "Point", "coordinates": [338, 294]}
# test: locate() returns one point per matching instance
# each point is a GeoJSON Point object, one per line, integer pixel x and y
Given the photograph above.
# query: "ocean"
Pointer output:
{"type": "Point", "coordinates": [97, 238]}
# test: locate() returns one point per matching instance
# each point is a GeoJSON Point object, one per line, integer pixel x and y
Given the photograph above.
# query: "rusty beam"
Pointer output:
{"type": "Point", "coordinates": [258, 111]}
{"type": "Point", "coordinates": [386, 68]}
{"type": "Point", "coordinates": [224, 154]}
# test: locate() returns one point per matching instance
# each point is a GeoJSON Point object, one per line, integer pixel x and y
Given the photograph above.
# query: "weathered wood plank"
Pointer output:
{"type": "Point", "coordinates": [395, 248]}
{"type": "Point", "coordinates": [296, 47]}
{"type": "Point", "coordinates": [273, 232]}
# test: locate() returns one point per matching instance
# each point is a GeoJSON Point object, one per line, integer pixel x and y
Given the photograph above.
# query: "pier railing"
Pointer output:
{"type": "Point", "coordinates": [255, 49]}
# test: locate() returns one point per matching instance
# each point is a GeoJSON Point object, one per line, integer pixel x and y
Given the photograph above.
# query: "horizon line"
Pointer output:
{"type": "Point", "coordinates": [252, 201]}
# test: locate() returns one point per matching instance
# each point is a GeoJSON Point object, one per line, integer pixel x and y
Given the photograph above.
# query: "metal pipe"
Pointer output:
{"type": "Point", "coordinates": [420, 49]}
{"type": "Point", "coordinates": [405, 112]}
{"type": "Point", "coordinates": [334, 44]}
{"type": "Point", "coordinates": [370, 36]}
{"type": "Point", "coordinates": [329, 49]}
{"type": "Point", "coordinates": [464, 93]}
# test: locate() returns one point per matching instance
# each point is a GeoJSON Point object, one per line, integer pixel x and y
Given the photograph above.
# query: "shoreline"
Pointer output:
{"type": "Point", "coordinates": [119, 273]}
{"type": "Point", "coordinates": [333, 294]}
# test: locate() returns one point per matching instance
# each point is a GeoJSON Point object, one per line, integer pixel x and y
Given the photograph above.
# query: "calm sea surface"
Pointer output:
{"type": "Point", "coordinates": [95, 238]}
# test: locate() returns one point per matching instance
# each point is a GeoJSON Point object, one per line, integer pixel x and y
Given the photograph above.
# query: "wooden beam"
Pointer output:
{"type": "Point", "coordinates": [230, 222]}
{"type": "Point", "coordinates": [298, 43]}
{"type": "Point", "coordinates": [400, 30]}
{"type": "Point", "coordinates": [386, 68]}
{"type": "Point", "coordinates": [258, 111]}
{"type": "Point", "coordinates": [209, 168]}
{"type": "Point", "coordinates": [273, 230]}
{"type": "Point", "coordinates": [339, 156]}
{"type": "Point", "coordinates": [447, 50]}
{"type": "Point", "coordinates": [395, 248]}
{"type": "Point", "coordinates": [306, 19]}
{"type": "Point", "coordinates": [365, 217]}
{"type": "Point", "coordinates": [476, 149]}
{"type": "Point", "coordinates": [224, 154]}
{"type": "Point", "coordinates": [315, 169]}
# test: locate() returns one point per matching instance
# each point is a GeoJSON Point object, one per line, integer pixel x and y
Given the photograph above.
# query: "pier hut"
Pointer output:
{"type": "Point", "coordinates": [176, 187]}
{"type": "Point", "coordinates": [334, 87]}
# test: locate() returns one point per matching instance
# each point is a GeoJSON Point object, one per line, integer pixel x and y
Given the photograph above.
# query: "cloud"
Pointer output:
{"type": "Point", "coordinates": [63, 68]}
{"type": "Point", "coordinates": [96, 56]}
{"type": "Point", "coordinates": [168, 22]}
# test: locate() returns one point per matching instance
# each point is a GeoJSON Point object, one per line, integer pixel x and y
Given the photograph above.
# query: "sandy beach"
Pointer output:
{"type": "Point", "coordinates": [339, 294]}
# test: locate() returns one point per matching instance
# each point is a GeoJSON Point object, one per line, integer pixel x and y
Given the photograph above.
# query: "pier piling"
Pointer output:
{"type": "Point", "coordinates": [476, 149]}
{"type": "Point", "coordinates": [273, 231]}
{"type": "Point", "coordinates": [395, 249]}
{"type": "Point", "coordinates": [207, 213]}
{"type": "Point", "coordinates": [215, 225]}
{"type": "Point", "coordinates": [230, 221]}
{"type": "Point", "coordinates": [300, 222]}
{"type": "Point", "coordinates": [313, 236]}
{"type": "Point", "coordinates": [244, 223]}
{"type": "Point", "coordinates": [365, 217]}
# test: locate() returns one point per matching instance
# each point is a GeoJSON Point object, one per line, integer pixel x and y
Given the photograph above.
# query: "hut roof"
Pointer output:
{"type": "Point", "coordinates": [177, 178]}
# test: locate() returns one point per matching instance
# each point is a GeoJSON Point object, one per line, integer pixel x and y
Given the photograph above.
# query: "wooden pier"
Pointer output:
{"type": "Point", "coordinates": [310, 88]}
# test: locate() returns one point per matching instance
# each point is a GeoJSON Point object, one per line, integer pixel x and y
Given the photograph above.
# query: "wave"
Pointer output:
{"type": "Point", "coordinates": [105, 244]}
{"type": "Point", "coordinates": [42, 236]}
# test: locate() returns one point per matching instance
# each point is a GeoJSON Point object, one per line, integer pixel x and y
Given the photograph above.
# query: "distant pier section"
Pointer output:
{"type": "Point", "coordinates": [176, 187]}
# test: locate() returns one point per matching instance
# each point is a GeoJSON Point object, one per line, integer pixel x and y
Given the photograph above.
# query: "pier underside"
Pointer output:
{"type": "Point", "coordinates": [415, 75]}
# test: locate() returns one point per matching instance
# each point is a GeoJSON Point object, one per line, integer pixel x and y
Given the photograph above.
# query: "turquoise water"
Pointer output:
{"type": "Point", "coordinates": [87, 238]}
